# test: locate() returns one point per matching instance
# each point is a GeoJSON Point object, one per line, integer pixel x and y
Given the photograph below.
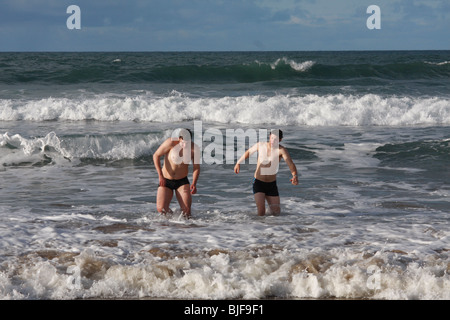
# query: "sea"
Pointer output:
{"type": "Point", "coordinates": [369, 133]}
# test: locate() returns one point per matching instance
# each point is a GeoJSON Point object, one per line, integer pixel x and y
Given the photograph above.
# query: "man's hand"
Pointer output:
{"type": "Point", "coordinates": [237, 167]}
{"type": "Point", "coordinates": [294, 180]}
{"type": "Point", "coordinates": [193, 189]}
{"type": "Point", "coordinates": [162, 182]}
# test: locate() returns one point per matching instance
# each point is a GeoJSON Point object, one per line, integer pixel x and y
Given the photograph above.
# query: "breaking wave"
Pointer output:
{"type": "Point", "coordinates": [310, 110]}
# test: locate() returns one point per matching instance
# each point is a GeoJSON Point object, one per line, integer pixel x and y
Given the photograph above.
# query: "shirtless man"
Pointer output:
{"type": "Point", "coordinates": [178, 153]}
{"type": "Point", "coordinates": [264, 183]}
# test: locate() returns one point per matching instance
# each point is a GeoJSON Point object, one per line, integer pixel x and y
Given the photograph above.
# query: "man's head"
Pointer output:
{"type": "Point", "coordinates": [276, 135]}
{"type": "Point", "coordinates": [184, 136]}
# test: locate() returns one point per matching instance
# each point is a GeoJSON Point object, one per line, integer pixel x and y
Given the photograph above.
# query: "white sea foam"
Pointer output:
{"type": "Point", "coordinates": [157, 272]}
{"type": "Point", "coordinates": [17, 149]}
{"type": "Point", "coordinates": [113, 147]}
{"type": "Point", "coordinates": [312, 110]}
{"type": "Point", "coordinates": [84, 252]}
{"type": "Point", "coordinates": [438, 63]}
{"type": "Point", "coordinates": [297, 66]}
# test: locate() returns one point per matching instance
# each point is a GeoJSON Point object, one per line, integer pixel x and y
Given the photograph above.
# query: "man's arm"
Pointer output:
{"type": "Point", "coordinates": [246, 155]}
{"type": "Point", "coordinates": [287, 157]}
{"type": "Point", "coordinates": [196, 165]}
{"type": "Point", "coordinates": [195, 175]}
{"type": "Point", "coordinates": [163, 149]}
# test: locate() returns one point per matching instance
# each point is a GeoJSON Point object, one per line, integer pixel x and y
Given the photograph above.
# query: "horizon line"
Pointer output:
{"type": "Point", "coordinates": [211, 51]}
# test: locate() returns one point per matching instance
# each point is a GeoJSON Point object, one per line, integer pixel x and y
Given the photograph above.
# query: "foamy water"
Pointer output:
{"type": "Point", "coordinates": [313, 110]}
{"type": "Point", "coordinates": [88, 228]}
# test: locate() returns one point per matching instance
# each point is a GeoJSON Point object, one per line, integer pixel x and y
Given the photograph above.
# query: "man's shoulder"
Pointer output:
{"type": "Point", "coordinates": [283, 149]}
{"type": "Point", "coordinates": [169, 143]}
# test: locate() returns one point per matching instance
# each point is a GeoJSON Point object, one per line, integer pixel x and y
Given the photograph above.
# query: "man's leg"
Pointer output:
{"type": "Point", "coordinates": [260, 203]}
{"type": "Point", "coordinates": [163, 198]}
{"type": "Point", "coordinates": [184, 198]}
{"type": "Point", "coordinates": [274, 204]}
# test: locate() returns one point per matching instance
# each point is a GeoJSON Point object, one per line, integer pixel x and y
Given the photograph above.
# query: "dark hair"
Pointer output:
{"type": "Point", "coordinates": [188, 130]}
{"type": "Point", "coordinates": [278, 133]}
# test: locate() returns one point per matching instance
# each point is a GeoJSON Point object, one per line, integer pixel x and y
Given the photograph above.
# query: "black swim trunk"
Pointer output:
{"type": "Point", "coordinates": [268, 188]}
{"type": "Point", "coordinates": [175, 184]}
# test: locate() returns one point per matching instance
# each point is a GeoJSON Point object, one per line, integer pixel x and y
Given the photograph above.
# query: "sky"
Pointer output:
{"type": "Point", "coordinates": [224, 25]}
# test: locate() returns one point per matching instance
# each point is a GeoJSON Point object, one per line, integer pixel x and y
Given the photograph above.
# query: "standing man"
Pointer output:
{"type": "Point", "coordinates": [178, 151]}
{"type": "Point", "coordinates": [264, 182]}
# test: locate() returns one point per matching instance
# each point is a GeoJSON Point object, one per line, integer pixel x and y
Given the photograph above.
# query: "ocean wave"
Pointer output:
{"type": "Point", "coordinates": [420, 154]}
{"type": "Point", "coordinates": [220, 68]}
{"type": "Point", "coordinates": [310, 110]}
{"type": "Point", "coordinates": [438, 63]}
{"type": "Point", "coordinates": [280, 69]}
{"type": "Point", "coordinates": [119, 71]}
{"type": "Point", "coordinates": [225, 274]}
{"type": "Point", "coordinates": [16, 150]}
{"type": "Point", "coordinates": [281, 62]}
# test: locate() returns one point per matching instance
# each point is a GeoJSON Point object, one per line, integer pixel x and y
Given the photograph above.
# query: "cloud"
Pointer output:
{"type": "Point", "coordinates": [220, 25]}
{"type": "Point", "coordinates": [424, 12]}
